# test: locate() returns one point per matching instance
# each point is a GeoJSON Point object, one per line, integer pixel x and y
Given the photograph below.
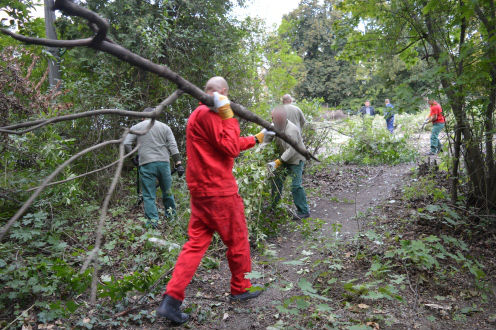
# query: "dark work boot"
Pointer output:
{"type": "Point", "coordinates": [246, 295]}
{"type": "Point", "coordinates": [169, 308]}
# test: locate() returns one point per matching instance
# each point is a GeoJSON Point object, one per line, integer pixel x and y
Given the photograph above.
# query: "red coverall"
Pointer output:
{"type": "Point", "coordinates": [211, 146]}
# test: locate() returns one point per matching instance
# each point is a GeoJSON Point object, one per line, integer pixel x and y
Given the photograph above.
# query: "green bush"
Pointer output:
{"type": "Point", "coordinates": [372, 145]}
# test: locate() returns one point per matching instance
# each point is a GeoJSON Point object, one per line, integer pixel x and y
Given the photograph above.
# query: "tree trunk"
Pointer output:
{"type": "Point", "coordinates": [53, 63]}
{"type": "Point", "coordinates": [456, 165]}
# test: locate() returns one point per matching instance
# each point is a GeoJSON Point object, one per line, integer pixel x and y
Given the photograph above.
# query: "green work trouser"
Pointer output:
{"type": "Point", "coordinates": [435, 143]}
{"type": "Point", "coordinates": [299, 196]}
{"type": "Point", "coordinates": [150, 173]}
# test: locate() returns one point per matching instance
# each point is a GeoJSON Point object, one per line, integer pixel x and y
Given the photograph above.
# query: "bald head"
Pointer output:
{"type": "Point", "coordinates": [431, 101]}
{"type": "Point", "coordinates": [279, 117]}
{"type": "Point", "coordinates": [217, 84]}
{"type": "Point", "coordinates": [287, 99]}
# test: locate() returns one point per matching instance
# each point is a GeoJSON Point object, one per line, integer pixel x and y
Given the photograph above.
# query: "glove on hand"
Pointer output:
{"type": "Point", "coordinates": [272, 166]}
{"type": "Point", "coordinates": [179, 170]}
{"type": "Point", "coordinates": [265, 132]}
{"type": "Point", "coordinates": [425, 123]}
{"type": "Point", "coordinates": [135, 160]}
{"type": "Point", "coordinates": [222, 106]}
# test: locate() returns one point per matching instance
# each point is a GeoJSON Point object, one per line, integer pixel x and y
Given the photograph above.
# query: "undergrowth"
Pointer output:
{"type": "Point", "coordinates": [370, 143]}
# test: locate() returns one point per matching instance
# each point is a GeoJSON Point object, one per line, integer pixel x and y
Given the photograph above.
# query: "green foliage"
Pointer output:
{"type": "Point", "coordinates": [254, 185]}
{"type": "Point", "coordinates": [422, 188]}
{"type": "Point", "coordinates": [448, 53]}
{"type": "Point", "coordinates": [312, 31]}
{"type": "Point", "coordinates": [310, 226]}
{"type": "Point", "coordinates": [45, 276]}
{"type": "Point", "coordinates": [117, 288]}
{"type": "Point", "coordinates": [284, 65]}
{"type": "Point", "coordinates": [371, 145]}
{"type": "Point", "coordinates": [426, 255]}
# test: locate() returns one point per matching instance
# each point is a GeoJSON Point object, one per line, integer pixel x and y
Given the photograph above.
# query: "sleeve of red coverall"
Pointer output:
{"type": "Point", "coordinates": [224, 134]}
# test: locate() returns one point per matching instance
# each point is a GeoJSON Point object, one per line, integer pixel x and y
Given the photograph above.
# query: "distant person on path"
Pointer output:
{"type": "Point", "coordinates": [437, 119]}
{"type": "Point", "coordinates": [367, 109]}
{"type": "Point", "coordinates": [155, 150]}
{"type": "Point", "coordinates": [389, 115]}
{"type": "Point", "coordinates": [291, 162]}
{"type": "Point", "coordinates": [212, 142]}
{"type": "Point", "coordinates": [295, 115]}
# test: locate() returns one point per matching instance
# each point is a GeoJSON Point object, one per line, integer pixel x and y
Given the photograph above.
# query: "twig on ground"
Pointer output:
{"type": "Point", "coordinates": [20, 315]}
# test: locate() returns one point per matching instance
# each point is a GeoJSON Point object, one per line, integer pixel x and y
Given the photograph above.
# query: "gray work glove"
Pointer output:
{"type": "Point", "coordinates": [273, 165]}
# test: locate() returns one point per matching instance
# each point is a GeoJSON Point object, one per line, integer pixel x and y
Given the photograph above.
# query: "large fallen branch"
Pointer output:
{"type": "Point", "coordinates": [100, 42]}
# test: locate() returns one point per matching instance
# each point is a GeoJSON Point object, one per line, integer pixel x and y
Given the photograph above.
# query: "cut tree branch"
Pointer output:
{"type": "Point", "coordinates": [99, 42]}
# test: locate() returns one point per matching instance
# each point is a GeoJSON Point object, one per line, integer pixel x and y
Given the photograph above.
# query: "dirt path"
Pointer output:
{"type": "Point", "coordinates": [332, 195]}
{"type": "Point", "coordinates": [355, 190]}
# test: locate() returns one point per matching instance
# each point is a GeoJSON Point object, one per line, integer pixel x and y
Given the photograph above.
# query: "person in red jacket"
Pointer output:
{"type": "Point", "coordinates": [212, 142]}
{"type": "Point", "coordinates": [437, 119]}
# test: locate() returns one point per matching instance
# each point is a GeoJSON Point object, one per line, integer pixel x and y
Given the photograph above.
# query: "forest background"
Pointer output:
{"type": "Point", "coordinates": [327, 54]}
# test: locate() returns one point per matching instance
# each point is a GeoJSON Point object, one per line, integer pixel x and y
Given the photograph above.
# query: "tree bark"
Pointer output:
{"type": "Point", "coordinates": [456, 165]}
{"type": "Point", "coordinates": [53, 63]}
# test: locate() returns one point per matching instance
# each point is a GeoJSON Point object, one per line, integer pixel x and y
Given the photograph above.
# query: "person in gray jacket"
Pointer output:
{"type": "Point", "coordinates": [295, 115]}
{"type": "Point", "coordinates": [156, 148]}
{"type": "Point", "coordinates": [290, 162]}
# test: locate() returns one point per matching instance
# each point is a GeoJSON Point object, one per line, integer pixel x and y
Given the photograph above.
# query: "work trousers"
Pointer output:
{"type": "Point", "coordinates": [390, 124]}
{"type": "Point", "coordinates": [435, 143]}
{"type": "Point", "coordinates": [299, 196]}
{"type": "Point", "coordinates": [150, 173]}
{"type": "Point", "coordinates": [225, 215]}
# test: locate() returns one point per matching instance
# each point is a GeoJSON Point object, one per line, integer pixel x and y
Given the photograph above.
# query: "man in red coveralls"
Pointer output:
{"type": "Point", "coordinates": [437, 119]}
{"type": "Point", "coordinates": [212, 142]}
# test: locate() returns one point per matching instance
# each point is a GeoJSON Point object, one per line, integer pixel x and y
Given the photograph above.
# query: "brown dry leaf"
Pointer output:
{"type": "Point", "coordinates": [373, 325]}
{"type": "Point", "coordinates": [363, 306]}
{"type": "Point", "coordinates": [27, 327]}
{"type": "Point", "coordinates": [86, 320]}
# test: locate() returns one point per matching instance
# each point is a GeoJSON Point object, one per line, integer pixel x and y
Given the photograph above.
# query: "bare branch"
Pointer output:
{"type": "Point", "coordinates": [103, 215]}
{"type": "Point", "coordinates": [48, 42]}
{"type": "Point", "coordinates": [72, 9]}
{"type": "Point", "coordinates": [47, 180]}
{"type": "Point", "coordinates": [87, 173]}
{"type": "Point", "coordinates": [43, 122]}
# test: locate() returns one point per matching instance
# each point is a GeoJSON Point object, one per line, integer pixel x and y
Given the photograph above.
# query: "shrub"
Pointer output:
{"type": "Point", "coordinates": [370, 145]}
